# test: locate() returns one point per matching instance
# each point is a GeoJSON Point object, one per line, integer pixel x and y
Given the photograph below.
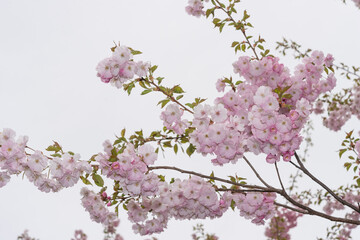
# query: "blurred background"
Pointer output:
{"type": "Point", "coordinates": [49, 91]}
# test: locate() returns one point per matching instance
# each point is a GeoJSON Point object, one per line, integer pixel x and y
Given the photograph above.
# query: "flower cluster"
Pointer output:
{"type": "Point", "coordinates": [332, 205]}
{"type": "Point", "coordinates": [339, 112]}
{"type": "Point", "coordinates": [281, 224]}
{"type": "Point", "coordinates": [195, 8]}
{"type": "Point", "coordinates": [130, 168]}
{"type": "Point", "coordinates": [266, 112]}
{"type": "Point", "coordinates": [252, 205]}
{"type": "Point", "coordinates": [193, 198]}
{"type": "Point", "coordinates": [98, 211]}
{"type": "Point", "coordinates": [120, 67]}
{"type": "Point", "coordinates": [172, 119]}
{"type": "Point", "coordinates": [65, 171]}
{"type": "Point", "coordinates": [181, 199]}
{"type": "Point", "coordinates": [79, 235]}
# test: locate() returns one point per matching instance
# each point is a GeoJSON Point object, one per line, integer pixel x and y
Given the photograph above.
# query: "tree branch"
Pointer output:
{"type": "Point", "coordinates": [342, 201]}
{"type": "Point", "coordinates": [242, 29]}
{"type": "Point", "coordinates": [271, 189]}
{"type": "Point", "coordinates": [256, 173]}
{"type": "Point", "coordinates": [307, 210]}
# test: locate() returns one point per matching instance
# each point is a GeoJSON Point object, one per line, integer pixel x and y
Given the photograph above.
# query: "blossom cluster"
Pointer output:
{"type": "Point", "coordinates": [64, 171]}
{"type": "Point", "coordinates": [266, 112]}
{"type": "Point", "coordinates": [281, 224]}
{"type": "Point", "coordinates": [120, 67]}
{"type": "Point", "coordinates": [195, 198]}
{"type": "Point", "coordinates": [195, 7]}
{"type": "Point", "coordinates": [99, 213]}
{"type": "Point", "coordinates": [191, 198]}
{"type": "Point", "coordinates": [130, 168]}
{"type": "Point", "coordinates": [172, 119]}
{"type": "Point", "coordinates": [332, 205]}
{"type": "Point", "coordinates": [340, 112]}
{"type": "Point", "coordinates": [253, 205]}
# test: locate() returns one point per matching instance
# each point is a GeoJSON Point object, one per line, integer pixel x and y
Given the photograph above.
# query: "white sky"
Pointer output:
{"type": "Point", "coordinates": [49, 91]}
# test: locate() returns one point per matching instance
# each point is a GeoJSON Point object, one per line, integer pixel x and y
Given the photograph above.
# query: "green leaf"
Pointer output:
{"type": "Point", "coordinates": [153, 68]}
{"type": "Point", "coordinates": [56, 155]}
{"type": "Point", "coordinates": [209, 11]}
{"type": "Point", "coordinates": [159, 79]}
{"type": "Point", "coordinates": [162, 178]}
{"type": "Point", "coordinates": [176, 148]}
{"type": "Point", "coordinates": [54, 148]}
{"type": "Point", "coordinates": [125, 207]}
{"type": "Point", "coordinates": [216, 20]}
{"type": "Point", "coordinates": [358, 182]}
{"type": "Point", "coordinates": [243, 47]}
{"type": "Point", "coordinates": [167, 144]}
{"type": "Point", "coordinates": [177, 89]}
{"type": "Point", "coordinates": [146, 91]}
{"type": "Point", "coordinates": [234, 44]}
{"type": "Point", "coordinates": [190, 150]}
{"type": "Point", "coordinates": [221, 27]}
{"type": "Point", "coordinates": [163, 102]}
{"type": "Point", "coordinates": [347, 165]}
{"type": "Point", "coordinates": [179, 97]}
{"type": "Point", "coordinates": [341, 152]}
{"type": "Point", "coordinates": [123, 132]}
{"type": "Point", "coordinates": [85, 180]}
{"type": "Point", "coordinates": [232, 205]}
{"type": "Point", "coordinates": [260, 46]}
{"type": "Point", "coordinates": [98, 180]}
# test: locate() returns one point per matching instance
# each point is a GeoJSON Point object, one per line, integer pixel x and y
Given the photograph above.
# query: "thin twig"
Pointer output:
{"type": "Point", "coordinates": [308, 210]}
{"type": "Point", "coordinates": [342, 201]}
{"type": "Point", "coordinates": [256, 173]}
{"type": "Point", "coordinates": [158, 88]}
{"type": "Point", "coordinates": [245, 190]}
{"type": "Point", "coordinates": [242, 29]}
{"type": "Point", "coordinates": [215, 178]}
{"type": "Point", "coordinates": [278, 174]}
{"type": "Point", "coordinates": [291, 208]}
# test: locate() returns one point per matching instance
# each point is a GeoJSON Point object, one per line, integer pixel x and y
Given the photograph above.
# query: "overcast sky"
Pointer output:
{"type": "Point", "coordinates": [49, 91]}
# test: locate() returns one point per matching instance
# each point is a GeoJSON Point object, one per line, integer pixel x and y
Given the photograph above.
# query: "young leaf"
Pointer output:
{"type": "Point", "coordinates": [98, 180]}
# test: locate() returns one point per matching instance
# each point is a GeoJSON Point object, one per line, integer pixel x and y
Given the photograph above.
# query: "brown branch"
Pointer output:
{"type": "Point", "coordinates": [278, 174]}
{"type": "Point", "coordinates": [339, 199]}
{"type": "Point", "coordinates": [307, 209]}
{"type": "Point", "coordinates": [215, 178]}
{"type": "Point", "coordinates": [256, 173]}
{"type": "Point", "coordinates": [158, 88]}
{"type": "Point", "coordinates": [244, 190]}
{"type": "Point", "coordinates": [291, 208]}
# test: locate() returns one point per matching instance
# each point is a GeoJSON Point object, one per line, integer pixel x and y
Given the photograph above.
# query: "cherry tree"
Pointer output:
{"type": "Point", "coordinates": [262, 111]}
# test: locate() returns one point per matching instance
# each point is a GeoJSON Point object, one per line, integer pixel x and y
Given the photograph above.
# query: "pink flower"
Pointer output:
{"type": "Point", "coordinates": [147, 152]}
{"type": "Point", "coordinates": [303, 107]}
{"type": "Point", "coordinates": [256, 68]}
{"type": "Point", "coordinates": [220, 85]}
{"type": "Point", "coordinates": [218, 113]}
{"type": "Point", "coordinates": [142, 68]}
{"type": "Point", "coordinates": [121, 54]}
{"type": "Point", "coordinates": [37, 162]}
{"type": "Point", "coordinates": [261, 95]}
{"type": "Point", "coordinates": [4, 178]}
{"type": "Point", "coordinates": [272, 158]}
{"type": "Point", "coordinates": [104, 70]}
